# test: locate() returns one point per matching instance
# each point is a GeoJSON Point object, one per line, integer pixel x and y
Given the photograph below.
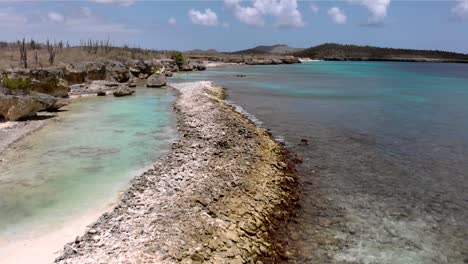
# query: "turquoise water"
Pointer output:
{"type": "Point", "coordinates": [81, 160]}
{"type": "Point", "coordinates": [386, 165]}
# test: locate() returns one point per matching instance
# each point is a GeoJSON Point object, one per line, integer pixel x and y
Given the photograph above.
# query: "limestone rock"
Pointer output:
{"type": "Point", "coordinates": [14, 107]}
{"type": "Point", "coordinates": [123, 91]}
{"type": "Point", "coordinates": [116, 71]}
{"type": "Point", "coordinates": [156, 80]}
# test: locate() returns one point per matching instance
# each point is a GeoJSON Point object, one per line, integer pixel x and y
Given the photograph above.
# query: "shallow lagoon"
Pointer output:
{"type": "Point", "coordinates": [80, 161]}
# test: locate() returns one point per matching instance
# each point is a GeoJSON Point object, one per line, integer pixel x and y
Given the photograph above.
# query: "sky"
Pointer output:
{"type": "Point", "coordinates": [229, 25]}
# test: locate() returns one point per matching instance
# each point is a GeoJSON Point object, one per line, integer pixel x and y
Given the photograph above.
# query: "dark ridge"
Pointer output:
{"type": "Point", "coordinates": [275, 49]}
{"type": "Point", "coordinates": [339, 52]}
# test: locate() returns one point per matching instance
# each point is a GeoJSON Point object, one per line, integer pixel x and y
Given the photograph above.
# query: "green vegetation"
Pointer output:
{"type": "Point", "coordinates": [16, 84]}
{"type": "Point", "coordinates": [179, 59]}
{"type": "Point", "coordinates": [331, 51]}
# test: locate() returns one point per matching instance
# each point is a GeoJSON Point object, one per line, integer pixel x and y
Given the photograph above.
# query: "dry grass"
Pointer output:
{"type": "Point", "coordinates": [10, 56]}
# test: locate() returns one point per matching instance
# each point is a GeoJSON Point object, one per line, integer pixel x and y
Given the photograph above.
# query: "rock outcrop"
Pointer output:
{"type": "Point", "coordinates": [156, 80]}
{"type": "Point", "coordinates": [141, 68]}
{"type": "Point", "coordinates": [87, 71]}
{"type": "Point", "coordinates": [169, 65]}
{"type": "Point", "coordinates": [48, 81]}
{"type": "Point", "coordinates": [17, 106]}
{"type": "Point", "coordinates": [116, 71]}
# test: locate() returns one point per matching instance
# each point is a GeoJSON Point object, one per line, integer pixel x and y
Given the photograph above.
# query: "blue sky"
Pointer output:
{"type": "Point", "coordinates": [234, 24]}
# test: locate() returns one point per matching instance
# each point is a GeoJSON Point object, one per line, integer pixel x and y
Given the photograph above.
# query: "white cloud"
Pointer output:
{"type": "Point", "coordinates": [9, 17]}
{"type": "Point", "coordinates": [55, 17]}
{"type": "Point", "coordinates": [207, 18]}
{"type": "Point", "coordinates": [377, 8]}
{"type": "Point", "coordinates": [461, 9]}
{"type": "Point", "coordinates": [172, 21]}
{"type": "Point", "coordinates": [115, 2]}
{"type": "Point", "coordinates": [314, 8]}
{"type": "Point", "coordinates": [285, 12]}
{"type": "Point", "coordinates": [84, 21]}
{"type": "Point", "coordinates": [337, 15]}
{"type": "Point", "coordinates": [86, 11]}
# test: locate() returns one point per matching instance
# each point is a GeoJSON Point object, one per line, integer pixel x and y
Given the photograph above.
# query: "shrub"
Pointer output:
{"type": "Point", "coordinates": [16, 84]}
{"type": "Point", "coordinates": [179, 59]}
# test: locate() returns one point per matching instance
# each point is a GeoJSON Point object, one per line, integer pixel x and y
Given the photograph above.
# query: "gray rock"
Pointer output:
{"type": "Point", "coordinates": [123, 91]}
{"type": "Point", "coordinates": [14, 107]}
{"type": "Point", "coordinates": [116, 71]}
{"type": "Point", "coordinates": [156, 80]}
{"type": "Point", "coordinates": [187, 67]}
{"type": "Point", "coordinates": [87, 71]}
{"type": "Point", "coordinates": [197, 65]}
{"type": "Point", "coordinates": [48, 81]}
{"type": "Point", "coordinates": [101, 93]}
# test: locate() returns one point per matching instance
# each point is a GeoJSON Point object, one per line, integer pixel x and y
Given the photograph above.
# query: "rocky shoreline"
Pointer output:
{"type": "Point", "coordinates": [222, 195]}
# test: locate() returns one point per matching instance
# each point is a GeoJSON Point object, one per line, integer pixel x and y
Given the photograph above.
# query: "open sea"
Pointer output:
{"type": "Point", "coordinates": [384, 177]}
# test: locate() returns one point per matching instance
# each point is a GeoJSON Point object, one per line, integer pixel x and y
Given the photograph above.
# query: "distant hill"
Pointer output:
{"type": "Point", "coordinates": [275, 49]}
{"type": "Point", "coordinates": [331, 51]}
{"type": "Point", "coordinates": [205, 52]}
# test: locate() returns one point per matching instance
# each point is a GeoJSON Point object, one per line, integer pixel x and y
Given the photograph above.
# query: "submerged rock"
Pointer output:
{"type": "Point", "coordinates": [156, 80]}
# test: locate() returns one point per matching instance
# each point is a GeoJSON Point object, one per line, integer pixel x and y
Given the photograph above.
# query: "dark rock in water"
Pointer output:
{"type": "Point", "coordinates": [123, 91]}
{"type": "Point", "coordinates": [101, 93]}
{"type": "Point", "coordinates": [304, 142]}
{"type": "Point", "coordinates": [156, 80]}
{"type": "Point", "coordinates": [169, 74]}
{"type": "Point", "coordinates": [241, 75]}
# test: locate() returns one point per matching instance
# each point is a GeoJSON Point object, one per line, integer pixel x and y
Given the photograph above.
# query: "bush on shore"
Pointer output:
{"type": "Point", "coordinates": [16, 84]}
{"type": "Point", "coordinates": [179, 59]}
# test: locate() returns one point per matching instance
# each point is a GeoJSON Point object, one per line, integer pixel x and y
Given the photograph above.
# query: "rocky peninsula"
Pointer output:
{"type": "Point", "coordinates": [222, 195]}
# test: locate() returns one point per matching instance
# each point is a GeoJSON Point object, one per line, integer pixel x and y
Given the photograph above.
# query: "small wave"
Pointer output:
{"type": "Point", "coordinates": [253, 119]}
{"type": "Point", "coordinates": [241, 110]}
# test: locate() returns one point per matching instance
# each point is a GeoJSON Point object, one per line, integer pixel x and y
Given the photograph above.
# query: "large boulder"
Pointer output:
{"type": "Point", "coordinates": [14, 107]}
{"type": "Point", "coordinates": [123, 91]}
{"type": "Point", "coordinates": [156, 80]}
{"type": "Point", "coordinates": [186, 67]}
{"type": "Point", "coordinates": [116, 71]}
{"type": "Point", "coordinates": [197, 65]}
